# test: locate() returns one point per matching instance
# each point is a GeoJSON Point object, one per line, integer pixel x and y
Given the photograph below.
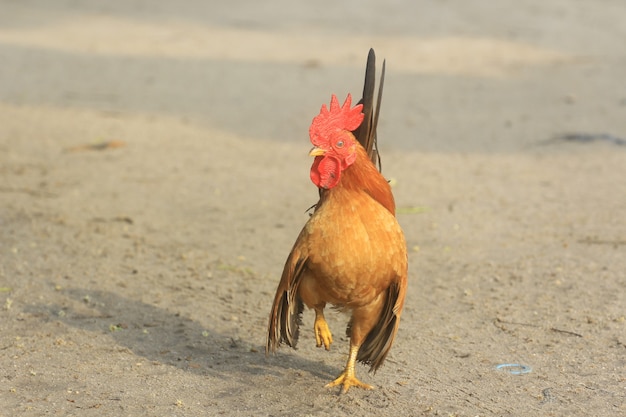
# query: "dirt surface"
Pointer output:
{"type": "Point", "coordinates": [154, 175]}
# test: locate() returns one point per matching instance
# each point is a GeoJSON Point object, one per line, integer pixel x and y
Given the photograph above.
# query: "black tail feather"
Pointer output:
{"type": "Point", "coordinates": [366, 133]}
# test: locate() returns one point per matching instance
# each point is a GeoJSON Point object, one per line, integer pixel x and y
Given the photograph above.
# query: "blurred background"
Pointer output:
{"type": "Point", "coordinates": [461, 76]}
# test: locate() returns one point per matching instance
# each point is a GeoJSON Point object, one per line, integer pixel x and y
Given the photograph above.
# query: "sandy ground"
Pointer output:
{"type": "Point", "coordinates": [136, 280]}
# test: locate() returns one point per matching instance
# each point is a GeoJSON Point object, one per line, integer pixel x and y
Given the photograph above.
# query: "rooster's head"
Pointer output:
{"type": "Point", "coordinates": [334, 145]}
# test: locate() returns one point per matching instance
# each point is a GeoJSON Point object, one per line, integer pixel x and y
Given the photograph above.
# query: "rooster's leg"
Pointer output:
{"type": "Point", "coordinates": [362, 322]}
{"type": "Point", "coordinates": [322, 332]}
{"type": "Point", "coordinates": [348, 378]}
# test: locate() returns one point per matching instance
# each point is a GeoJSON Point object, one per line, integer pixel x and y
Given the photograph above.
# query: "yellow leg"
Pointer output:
{"type": "Point", "coordinates": [348, 377]}
{"type": "Point", "coordinates": [322, 332]}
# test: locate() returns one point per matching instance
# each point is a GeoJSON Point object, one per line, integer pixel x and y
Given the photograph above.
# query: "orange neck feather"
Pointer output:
{"type": "Point", "coordinates": [362, 175]}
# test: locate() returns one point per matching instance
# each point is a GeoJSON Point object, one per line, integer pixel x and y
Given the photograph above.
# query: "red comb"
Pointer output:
{"type": "Point", "coordinates": [337, 118]}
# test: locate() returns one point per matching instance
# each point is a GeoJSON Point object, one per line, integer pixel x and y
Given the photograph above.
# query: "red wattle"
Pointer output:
{"type": "Point", "coordinates": [325, 172]}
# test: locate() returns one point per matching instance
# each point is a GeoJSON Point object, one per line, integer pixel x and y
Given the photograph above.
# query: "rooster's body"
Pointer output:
{"type": "Point", "coordinates": [351, 253]}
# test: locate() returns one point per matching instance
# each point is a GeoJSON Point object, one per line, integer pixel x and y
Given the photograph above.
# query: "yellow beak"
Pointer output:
{"type": "Point", "coordinates": [317, 151]}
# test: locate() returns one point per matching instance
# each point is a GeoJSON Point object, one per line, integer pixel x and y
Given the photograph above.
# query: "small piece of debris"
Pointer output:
{"type": "Point", "coordinates": [99, 146]}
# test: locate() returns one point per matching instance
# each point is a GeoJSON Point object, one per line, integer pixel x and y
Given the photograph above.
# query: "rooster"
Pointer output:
{"type": "Point", "coordinates": [351, 253]}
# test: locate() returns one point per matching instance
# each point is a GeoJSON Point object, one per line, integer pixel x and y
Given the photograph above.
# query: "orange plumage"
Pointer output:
{"type": "Point", "coordinates": [351, 253]}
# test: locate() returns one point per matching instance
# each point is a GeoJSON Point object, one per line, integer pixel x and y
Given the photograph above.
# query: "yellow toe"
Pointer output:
{"type": "Point", "coordinates": [323, 336]}
{"type": "Point", "coordinates": [347, 380]}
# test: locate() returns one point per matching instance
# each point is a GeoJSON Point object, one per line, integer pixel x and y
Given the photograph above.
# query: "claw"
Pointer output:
{"type": "Point", "coordinates": [347, 379]}
{"type": "Point", "coordinates": [322, 332]}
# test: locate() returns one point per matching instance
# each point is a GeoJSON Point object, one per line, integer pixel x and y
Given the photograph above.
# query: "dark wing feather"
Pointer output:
{"type": "Point", "coordinates": [366, 132]}
{"type": "Point", "coordinates": [378, 342]}
{"type": "Point", "coordinates": [286, 314]}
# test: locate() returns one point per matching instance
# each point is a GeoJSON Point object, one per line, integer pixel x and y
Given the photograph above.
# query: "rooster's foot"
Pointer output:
{"type": "Point", "coordinates": [322, 332]}
{"type": "Point", "coordinates": [347, 379]}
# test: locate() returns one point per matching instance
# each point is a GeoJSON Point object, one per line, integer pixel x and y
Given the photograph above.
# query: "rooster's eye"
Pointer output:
{"type": "Point", "coordinates": [339, 144]}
